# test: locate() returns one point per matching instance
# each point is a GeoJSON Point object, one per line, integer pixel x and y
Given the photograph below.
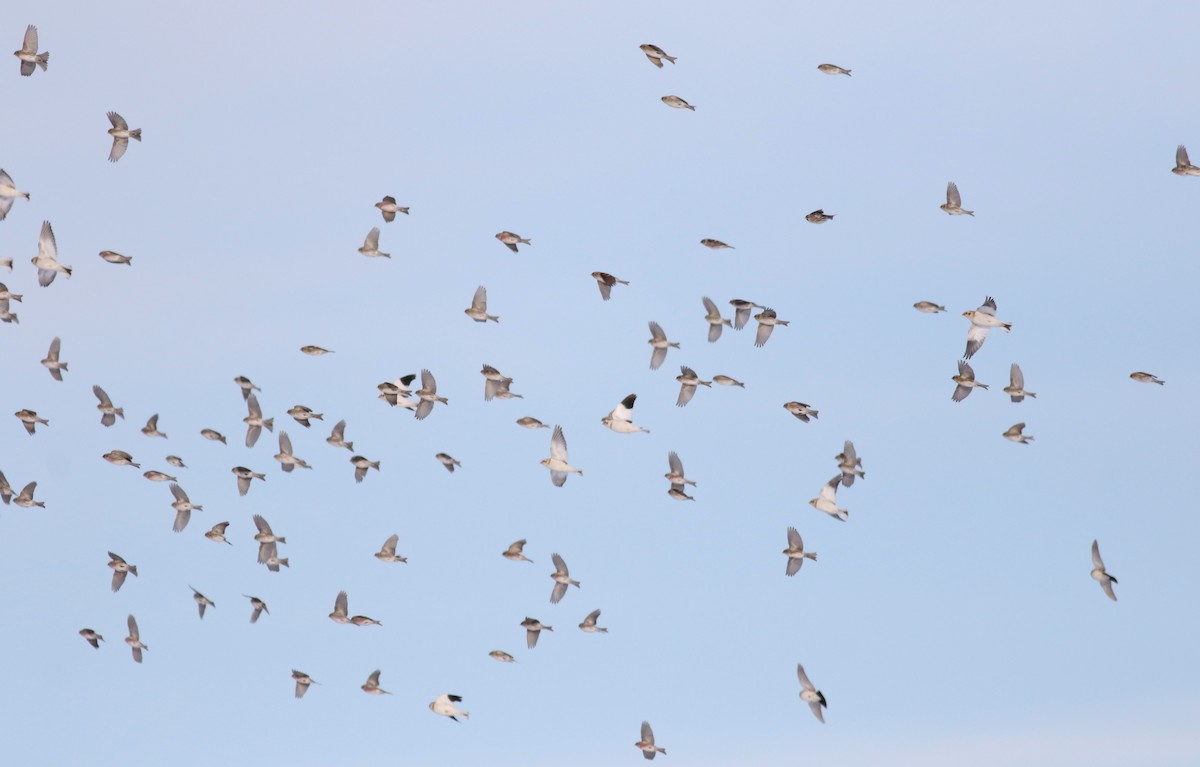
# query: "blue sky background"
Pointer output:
{"type": "Point", "coordinates": [951, 620]}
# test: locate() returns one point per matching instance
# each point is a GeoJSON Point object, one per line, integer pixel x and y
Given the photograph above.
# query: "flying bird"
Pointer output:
{"type": "Point", "coordinates": [511, 240]}
{"type": "Point", "coordinates": [341, 608]}
{"type": "Point", "coordinates": [303, 681]}
{"type": "Point", "coordinates": [658, 340]}
{"type": "Point", "coordinates": [184, 508]}
{"type": "Point", "coordinates": [134, 640]}
{"type": "Point", "coordinates": [688, 381]}
{"type": "Point", "coordinates": [514, 552]}
{"type": "Point", "coordinates": [337, 437]}
{"type": "Point", "coordinates": [388, 552]}
{"type": "Point", "coordinates": [620, 419]}
{"type": "Point", "coordinates": [562, 579]}
{"type": "Point", "coordinates": [8, 195]}
{"type": "Point", "coordinates": [557, 462]}
{"type": "Point", "coordinates": [217, 533]}
{"type": "Point", "coordinates": [712, 244]}
{"type": "Point", "coordinates": [982, 320]}
{"type": "Point", "coordinates": [372, 686]}
{"type": "Point", "coordinates": [742, 311]}
{"type": "Point", "coordinates": [361, 465]}
{"type": "Point", "coordinates": [796, 553]}
{"type": "Point", "coordinates": [266, 538]}
{"type": "Point", "coordinates": [1100, 574]}
{"type": "Point", "coordinates": [151, 427]}
{"type": "Point", "coordinates": [109, 413]}
{"type": "Point", "coordinates": [29, 56]}
{"type": "Point", "coordinates": [213, 435]}
{"type": "Point", "coordinates": [246, 385]}
{"type": "Point", "coordinates": [1183, 166]}
{"type": "Point", "coordinates": [121, 135]}
{"type": "Point", "coordinates": [286, 458]}
{"type": "Point", "coordinates": [6, 491]}
{"type": "Point", "coordinates": [175, 460]}
{"type": "Point", "coordinates": [677, 103]}
{"type": "Point", "coordinates": [1146, 378]}
{"type": "Point", "coordinates": [850, 464]}
{"type": "Point", "coordinates": [811, 695]}
{"type": "Point", "coordinates": [529, 422]}
{"type": "Point", "coordinates": [25, 500]}
{"type": "Point", "coordinates": [201, 601]}
{"type": "Point", "coordinates": [677, 478]}
{"type": "Point", "coordinates": [120, 458]}
{"type": "Point", "coordinates": [443, 705]}
{"type": "Point", "coordinates": [254, 420]}
{"type": "Point", "coordinates": [727, 381]}
{"type": "Point", "coordinates": [928, 307]}
{"type": "Point", "coordinates": [533, 629]}
{"type": "Point", "coordinates": [655, 54]}
{"type": "Point", "coordinates": [244, 477]}
{"type": "Point", "coordinates": [604, 280]}
{"type": "Point", "coordinates": [92, 637]}
{"type": "Point", "coordinates": [502, 656]}
{"type": "Point", "coordinates": [120, 569]}
{"type": "Point", "coordinates": [716, 323]}
{"type": "Point", "coordinates": [826, 501]}
{"type": "Point", "coordinates": [966, 382]}
{"type": "Point", "coordinates": [315, 351]}
{"type": "Point", "coordinates": [589, 624]}
{"type": "Point", "coordinates": [818, 216]}
{"type": "Point", "coordinates": [1016, 384]}
{"type": "Point", "coordinates": [833, 69]}
{"type": "Point", "coordinates": [159, 476]}
{"type": "Point", "coordinates": [767, 320]}
{"type": "Point", "coordinates": [388, 207]}
{"type": "Point", "coordinates": [478, 308]}
{"type": "Point", "coordinates": [46, 260]}
{"type": "Point", "coordinates": [953, 204]}
{"type": "Point", "coordinates": [112, 257]}
{"type": "Point", "coordinates": [647, 743]}
{"type": "Point", "coordinates": [370, 246]}
{"type": "Point", "coordinates": [29, 419]}
{"type": "Point", "coordinates": [428, 396]}
{"type": "Point", "coordinates": [1014, 434]}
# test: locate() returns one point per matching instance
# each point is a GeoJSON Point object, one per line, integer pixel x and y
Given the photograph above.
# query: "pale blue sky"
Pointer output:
{"type": "Point", "coordinates": [950, 621]}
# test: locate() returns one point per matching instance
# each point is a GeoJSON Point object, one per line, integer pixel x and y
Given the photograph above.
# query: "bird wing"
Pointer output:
{"type": "Point", "coordinates": [793, 565]}
{"type": "Point", "coordinates": [389, 545]}
{"type": "Point", "coordinates": [1181, 155]}
{"type": "Point", "coordinates": [1096, 560]}
{"type": "Point", "coordinates": [133, 628]}
{"type": "Point", "coordinates": [341, 604]}
{"type": "Point", "coordinates": [559, 564]}
{"type": "Point", "coordinates": [764, 332]}
{"type": "Point", "coordinates": [850, 456]}
{"type": "Point", "coordinates": [988, 307]}
{"type": "Point", "coordinates": [1015, 378]}
{"type": "Point", "coordinates": [675, 464]}
{"type": "Point", "coordinates": [373, 679]}
{"type": "Point", "coordinates": [30, 45]}
{"type": "Point", "coordinates": [624, 410]}
{"type": "Point", "coordinates": [686, 392]}
{"type": "Point", "coordinates": [647, 733]}
{"type": "Point", "coordinates": [560, 590]}
{"type": "Point", "coordinates": [118, 121]}
{"type": "Point", "coordinates": [262, 525]}
{"type": "Point", "coordinates": [339, 431]}
{"type": "Point", "coordinates": [960, 393]}
{"type": "Point", "coordinates": [816, 709]}
{"type": "Point", "coordinates": [656, 359]}
{"type": "Point", "coordinates": [479, 302]}
{"type": "Point", "coordinates": [605, 289]}
{"type": "Point", "coordinates": [428, 382]}
{"type": "Point", "coordinates": [177, 491]}
{"type": "Point", "coordinates": [372, 240]}
{"type": "Point", "coordinates": [965, 370]}
{"type": "Point", "coordinates": [558, 445]}
{"type": "Point", "coordinates": [657, 332]}
{"type": "Point", "coordinates": [253, 406]}
{"type": "Point", "coordinates": [531, 637]}
{"type": "Point", "coordinates": [285, 443]}
{"type": "Point", "coordinates": [6, 203]}
{"type": "Point", "coordinates": [952, 197]}
{"type": "Point", "coordinates": [804, 678]}
{"type": "Point", "coordinates": [591, 618]}
{"type": "Point", "coordinates": [252, 435]}
{"type": "Point", "coordinates": [794, 538]}
{"type": "Point", "coordinates": [711, 307]}
{"type": "Point", "coordinates": [559, 478]}
{"type": "Point", "coordinates": [182, 517]}
{"type": "Point", "coordinates": [975, 338]}
{"type": "Point", "coordinates": [243, 484]}
{"type": "Point", "coordinates": [118, 149]}
{"type": "Point", "coordinates": [1106, 584]}
{"type": "Point", "coordinates": [741, 317]}
{"type": "Point", "coordinates": [655, 61]}
{"type": "Point", "coordinates": [152, 422]}
{"type": "Point", "coordinates": [829, 491]}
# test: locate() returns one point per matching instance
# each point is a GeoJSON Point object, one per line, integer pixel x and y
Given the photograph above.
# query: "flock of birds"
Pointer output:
{"type": "Point", "coordinates": [422, 401]}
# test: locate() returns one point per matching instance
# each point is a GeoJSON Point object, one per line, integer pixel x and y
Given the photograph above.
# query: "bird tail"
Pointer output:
{"type": "Point", "coordinates": [980, 385]}
{"type": "Point", "coordinates": [1007, 327]}
{"type": "Point", "coordinates": [689, 106]}
{"type": "Point", "coordinates": [672, 60]}
{"type": "Point", "coordinates": [524, 242]}
{"type": "Point", "coordinates": [623, 282]}
{"type": "Point", "coordinates": [136, 465]}
{"type": "Point", "coordinates": [672, 345]}
{"type": "Point", "coordinates": [811, 555]}
{"type": "Point", "coordinates": [493, 318]}
{"type": "Point", "coordinates": [42, 61]}
{"type": "Point", "coordinates": [575, 584]}
{"type": "Point", "coordinates": [25, 195]}
{"type": "Point", "coordinates": [136, 135]}
{"type": "Point", "coordinates": [284, 562]}
{"type": "Point", "coordinates": [843, 515]}
{"type": "Point", "coordinates": [786, 322]}
{"type": "Point", "coordinates": [375, 466]}
{"type": "Point", "coordinates": [119, 411]}
{"type": "Point", "coordinates": [67, 271]}
{"type": "Point", "coordinates": [15, 297]}
{"type": "Point", "coordinates": [1030, 394]}
{"type": "Point", "coordinates": [350, 445]}
{"type": "Point", "coordinates": [133, 569]}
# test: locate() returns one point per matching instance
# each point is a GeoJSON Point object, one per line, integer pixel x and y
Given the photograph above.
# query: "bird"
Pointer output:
{"type": "Point", "coordinates": [502, 656]}
{"type": "Point", "coordinates": [557, 462]}
{"type": "Point", "coordinates": [716, 323]}
{"type": "Point", "coordinates": [315, 351]}
{"type": "Point", "coordinates": [676, 475]}
{"type": "Point", "coordinates": [46, 260]}
{"type": "Point", "coordinates": [1100, 574]}
{"type": "Point", "coordinates": [388, 207]}
{"type": "Point", "coordinates": [134, 640]}
{"type": "Point", "coordinates": [303, 414]}
{"type": "Point", "coordinates": [266, 538]}
{"type": "Point", "coordinates": [647, 743]}
{"type": "Point", "coordinates": [183, 508]}
{"type": "Point", "coordinates": [30, 58]}
{"type": "Point", "coordinates": [511, 240]}
{"type": "Point", "coordinates": [370, 247]}
{"type": "Point", "coordinates": [428, 396]}
{"type": "Point", "coordinates": [1183, 166]}
{"type": "Point", "coordinates": [372, 686]}
{"type": "Point", "coordinates": [562, 579]}
{"type": "Point", "coordinates": [953, 204]}
{"type": "Point", "coordinates": [811, 695]}
{"type": "Point", "coordinates": [121, 135]}
{"type": "Point", "coordinates": [677, 103]}
{"type": "Point", "coordinates": [8, 195]}
{"type": "Point", "coordinates": [257, 608]}
{"type": "Point", "coordinates": [217, 533]}
{"type": "Point", "coordinates": [6, 491]}
{"type": "Point", "coordinates": [688, 382]}
{"type": "Point", "coordinates": [443, 705]}
{"type": "Point", "coordinates": [826, 501]}
{"type": "Point", "coordinates": [391, 391]}
{"type": "Point", "coordinates": [303, 681]}
{"type": "Point", "coordinates": [589, 624]}
{"type": "Point", "coordinates": [448, 461]}
{"type": "Point", "coordinates": [1016, 384]}
{"type": "Point", "coordinates": [478, 308]}
{"type": "Point", "coordinates": [361, 465]}
{"type": "Point", "coordinates": [850, 464]}
{"type": "Point", "coordinates": [712, 244]}
{"type": "Point", "coordinates": [362, 620]}
{"type": "Point", "coordinates": [92, 637]}
{"type": "Point", "coordinates": [106, 407]}
{"type": "Point", "coordinates": [658, 339]}
{"type": "Point", "coordinates": [1146, 378]}
{"type": "Point", "coordinates": [175, 460]}
{"type": "Point", "coordinates": [120, 458]}
{"type": "Point", "coordinates": [337, 437]}
{"type": "Point", "coordinates": [796, 553]}
{"type": "Point", "coordinates": [494, 382]}
{"type": "Point", "coordinates": [655, 54]}
{"type": "Point", "coordinates": [6, 315]}
{"type": "Point", "coordinates": [254, 420]}
{"type": "Point", "coordinates": [159, 476]}
{"type": "Point", "coordinates": [620, 418]}
{"type": "Point", "coordinates": [818, 216]}
{"type": "Point", "coordinates": [533, 629]}
{"type": "Point", "coordinates": [833, 69]}
{"type": "Point", "coordinates": [201, 601]}
{"type": "Point", "coordinates": [727, 381]}
{"type": "Point", "coordinates": [604, 280]}
{"type": "Point", "coordinates": [244, 477]}
{"type": "Point", "coordinates": [767, 320]}
{"type": "Point", "coordinates": [7, 295]}
{"type": "Point", "coordinates": [113, 257]}
{"type": "Point", "coordinates": [246, 385]}
{"type": "Point", "coordinates": [151, 428]}
{"type": "Point", "coordinates": [514, 552]}
{"type": "Point", "coordinates": [1014, 434]}
{"type": "Point", "coordinates": [928, 307]}
{"type": "Point", "coordinates": [966, 382]}
{"type": "Point", "coordinates": [341, 608]}
{"type": "Point", "coordinates": [214, 435]}
{"type": "Point", "coordinates": [742, 311]}
{"type": "Point", "coordinates": [29, 419]}
{"type": "Point", "coordinates": [120, 569]}
{"type": "Point", "coordinates": [286, 458]}
{"type": "Point", "coordinates": [982, 320]}
{"type": "Point", "coordinates": [388, 552]}
{"type": "Point", "coordinates": [24, 499]}
{"type": "Point", "coordinates": [529, 422]}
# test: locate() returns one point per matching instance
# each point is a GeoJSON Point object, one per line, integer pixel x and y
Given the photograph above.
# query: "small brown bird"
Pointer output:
{"type": "Point", "coordinates": [92, 637]}
{"type": "Point", "coordinates": [52, 363]}
{"type": "Point", "coordinates": [677, 103]}
{"type": "Point", "coordinates": [1183, 166]}
{"type": "Point", "coordinates": [833, 69]}
{"type": "Point", "coordinates": [30, 420]}
{"type": "Point", "coordinates": [511, 240]}
{"type": "Point", "coordinates": [106, 407]}
{"type": "Point", "coordinates": [818, 216]}
{"type": "Point", "coordinates": [655, 54]}
{"type": "Point", "coordinates": [372, 686]}
{"type": "Point", "coordinates": [533, 629]}
{"type": "Point", "coordinates": [217, 534]}
{"type": "Point", "coordinates": [121, 134]}
{"type": "Point", "coordinates": [606, 282]}
{"type": "Point", "coordinates": [966, 382]}
{"type": "Point", "coordinates": [258, 607]}
{"type": "Point", "coordinates": [767, 320]}
{"type": "Point", "coordinates": [1146, 378]}
{"type": "Point", "coordinates": [120, 569]}
{"type": "Point", "coordinates": [388, 207]}
{"type": "Point", "coordinates": [796, 553]}
{"type": "Point", "coordinates": [214, 435]}
{"type": "Point", "coordinates": [1100, 574]}
{"type": "Point", "coordinates": [953, 204]}
{"type": "Point", "coordinates": [303, 681]}
{"type": "Point", "coordinates": [715, 244]}
{"type": "Point", "coordinates": [1014, 434]}
{"type": "Point", "coordinates": [361, 465]}
{"type": "Point", "coordinates": [151, 428]}
{"type": "Point", "coordinates": [478, 308]}
{"type": "Point", "coordinates": [113, 257]}
{"type": "Point", "coordinates": [201, 601]}
{"type": "Point", "coordinates": [928, 307]}
{"type": "Point", "coordinates": [120, 458]}
{"type": "Point", "coordinates": [315, 351]}
{"type": "Point", "coordinates": [244, 477]}
{"type": "Point", "coordinates": [303, 414]}
{"type": "Point", "coordinates": [514, 552]}
{"type": "Point", "coordinates": [647, 743]}
{"type": "Point", "coordinates": [562, 579]}
{"type": "Point", "coordinates": [134, 640]}
{"type": "Point", "coordinates": [1016, 384]}
{"type": "Point", "coordinates": [29, 56]}
{"type": "Point", "coordinates": [448, 461]}
{"type": "Point", "coordinates": [388, 552]}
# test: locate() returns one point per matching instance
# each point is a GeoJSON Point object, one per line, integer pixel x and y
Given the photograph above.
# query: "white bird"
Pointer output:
{"type": "Point", "coordinates": [1100, 574]}
{"type": "Point", "coordinates": [982, 320]}
{"type": "Point", "coordinates": [443, 705]}
{"type": "Point", "coordinates": [46, 260]}
{"type": "Point", "coordinates": [811, 695]}
{"type": "Point", "coordinates": [827, 500]}
{"type": "Point", "coordinates": [557, 462]}
{"type": "Point", "coordinates": [620, 419]}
